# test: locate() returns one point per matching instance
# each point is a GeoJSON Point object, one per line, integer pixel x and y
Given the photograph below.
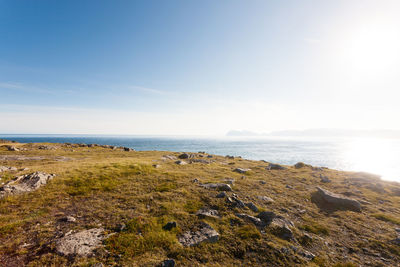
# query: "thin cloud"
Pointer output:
{"type": "Point", "coordinates": [312, 40]}
{"type": "Point", "coordinates": [147, 90]}
{"type": "Point", "coordinates": [25, 88]}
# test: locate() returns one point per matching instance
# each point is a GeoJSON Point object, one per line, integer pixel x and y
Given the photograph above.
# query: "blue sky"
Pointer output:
{"type": "Point", "coordinates": [197, 67]}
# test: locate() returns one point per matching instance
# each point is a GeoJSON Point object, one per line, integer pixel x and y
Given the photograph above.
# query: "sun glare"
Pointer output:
{"type": "Point", "coordinates": [377, 156]}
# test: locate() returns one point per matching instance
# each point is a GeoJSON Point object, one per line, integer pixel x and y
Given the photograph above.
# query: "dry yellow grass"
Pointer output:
{"type": "Point", "coordinates": [101, 186]}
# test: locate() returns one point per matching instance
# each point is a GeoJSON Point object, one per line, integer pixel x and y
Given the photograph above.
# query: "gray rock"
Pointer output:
{"type": "Point", "coordinates": [265, 199]}
{"type": "Point", "coordinates": [5, 168]}
{"type": "Point", "coordinates": [324, 178]}
{"type": "Point", "coordinates": [230, 181]}
{"type": "Point", "coordinates": [221, 195]}
{"type": "Point", "coordinates": [241, 170]}
{"type": "Point", "coordinates": [272, 166]}
{"type": "Point", "coordinates": [278, 225]}
{"type": "Point", "coordinates": [251, 206]}
{"type": "Point", "coordinates": [289, 186]}
{"type": "Point", "coordinates": [81, 244]}
{"type": "Point", "coordinates": [168, 263]}
{"type": "Point", "coordinates": [306, 254]}
{"type": "Point", "coordinates": [128, 149]}
{"type": "Point", "coordinates": [299, 165]}
{"type": "Point", "coordinates": [235, 202]}
{"type": "Point", "coordinates": [169, 157]}
{"type": "Point", "coordinates": [204, 233]}
{"type": "Point", "coordinates": [169, 225]}
{"type": "Point", "coordinates": [254, 220]}
{"type": "Point", "coordinates": [203, 213]}
{"type": "Point", "coordinates": [204, 161]}
{"type": "Point", "coordinates": [209, 156]}
{"type": "Point", "coordinates": [263, 182]}
{"type": "Point", "coordinates": [12, 148]}
{"type": "Point", "coordinates": [338, 201]}
{"type": "Point", "coordinates": [220, 187]}
{"type": "Point", "coordinates": [184, 156]}
{"type": "Point", "coordinates": [229, 157]}
{"type": "Point", "coordinates": [180, 162]}
{"type": "Point", "coordinates": [25, 183]}
{"type": "Point", "coordinates": [68, 219]}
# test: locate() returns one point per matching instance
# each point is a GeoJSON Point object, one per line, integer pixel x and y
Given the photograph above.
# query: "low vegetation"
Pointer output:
{"type": "Point", "coordinates": [132, 196]}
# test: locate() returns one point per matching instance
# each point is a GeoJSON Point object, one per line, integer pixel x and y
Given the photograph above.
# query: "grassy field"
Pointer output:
{"type": "Point", "coordinates": [107, 188]}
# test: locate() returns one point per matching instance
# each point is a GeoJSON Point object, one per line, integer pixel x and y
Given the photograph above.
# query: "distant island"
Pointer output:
{"type": "Point", "coordinates": [321, 133]}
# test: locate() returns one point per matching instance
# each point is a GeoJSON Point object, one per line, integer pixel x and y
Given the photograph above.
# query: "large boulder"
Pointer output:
{"type": "Point", "coordinates": [336, 201]}
{"type": "Point", "coordinates": [204, 233]}
{"type": "Point", "coordinates": [25, 183]}
{"type": "Point", "coordinates": [80, 244]}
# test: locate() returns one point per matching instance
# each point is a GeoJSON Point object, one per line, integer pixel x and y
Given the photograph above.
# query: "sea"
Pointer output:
{"type": "Point", "coordinates": [374, 155]}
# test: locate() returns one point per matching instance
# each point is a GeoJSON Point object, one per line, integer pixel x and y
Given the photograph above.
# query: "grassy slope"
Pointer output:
{"type": "Point", "coordinates": [100, 186]}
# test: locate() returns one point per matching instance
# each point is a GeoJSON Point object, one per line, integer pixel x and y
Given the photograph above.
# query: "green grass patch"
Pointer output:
{"type": "Point", "coordinates": [141, 235]}
{"type": "Point", "coordinates": [248, 232]}
{"type": "Point", "coordinates": [315, 228]}
{"type": "Point", "coordinates": [192, 206]}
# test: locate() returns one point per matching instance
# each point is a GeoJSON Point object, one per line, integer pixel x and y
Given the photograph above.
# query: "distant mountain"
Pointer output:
{"type": "Point", "coordinates": [322, 133]}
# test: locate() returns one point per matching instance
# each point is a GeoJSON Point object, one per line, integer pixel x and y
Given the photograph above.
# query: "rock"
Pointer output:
{"type": "Point", "coordinates": [128, 149]}
{"type": "Point", "coordinates": [25, 183]}
{"type": "Point", "coordinates": [81, 244]}
{"type": "Point", "coordinates": [235, 202]}
{"type": "Point", "coordinates": [195, 180]}
{"type": "Point", "coordinates": [12, 148]}
{"type": "Point", "coordinates": [230, 181]}
{"type": "Point", "coordinates": [251, 206]}
{"type": "Point", "coordinates": [156, 166]}
{"type": "Point", "coordinates": [278, 225]}
{"type": "Point", "coordinates": [241, 170]}
{"type": "Point", "coordinates": [306, 254]}
{"type": "Point", "coordinates": [204, 233]}
{"type": "Point", "coordinates": [221, 195]}
{"type": "Point", "coordinates": [306, 239]}
{"type": "Point", "coordinates": [272, 166]}
{"type": "Point", "coordinates": [68, 219]}
{"type": "Point", "coordinates": [265, 199]}
{"type": "Point", "coordinates": [299, 165]}
{"type": "Point", "coordinates": [200, 161]}
{"type": "Point", "coordinates": [266, 216]}
{"type": "Point", "coordinates": [169, 225]}
{"type": "Point", "coordinates": [254, 220]}
{"type": "Point", "coordinates": [183, 156]}
{"type": "Point", "coordinates": [203, 213]}
{"type": "Point", "coordinates": [5, 168]}
{"type": "Point", "coordinates": [396, 241]}
{"type": "Point", "coordinates": [168, 263]}
{"type": "Point", "coordinates": [220, 187]}
{"type": "Point", "coordinates": [324, 179]}
{"type": "Point", "coordinates": [338, 201]}
{"type": "Point", "coordinates": [209, 156]}
{"type": "Point", "coordinates": [289, 186]}
{"type": "Point", "coordinates": [180, 162]}
{"type": "Point", "coordinates": [229, 157]}
{"type": "Point", "coordinates": [263, 182]}
{"type": "Point", "coordinates": [168, 157]}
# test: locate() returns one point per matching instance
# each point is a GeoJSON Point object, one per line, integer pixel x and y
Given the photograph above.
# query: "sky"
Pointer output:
{"type": "Point", "coordinates": [198, 67]}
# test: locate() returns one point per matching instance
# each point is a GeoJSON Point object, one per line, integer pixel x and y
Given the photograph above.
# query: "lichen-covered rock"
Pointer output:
{"type": "Point", "coordinates": [277, 224]}
{"type": "Point", "coordinates": [220, 187]}
{"type": "Point", "coordinates": [272, 166]}
{"type": "Point", "coordinates": [204, 233]}
{"type": "Point", "coordinates": [80, 244]}
{"type": "Point", "coordinates": [25, 183]}
{"type": "Point", "coordinates": [254, 220]}
{"type": "Point", "coordinates": [252, 206]}
{"type": "Point", "coordinates": [337, 201]}
{"type": "Point", "coordinates": [203, 213]}
{"type": "Point", "coordinates": [241, 170]}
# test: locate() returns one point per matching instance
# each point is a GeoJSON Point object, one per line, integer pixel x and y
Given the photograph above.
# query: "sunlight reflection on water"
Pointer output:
{"type": "Point", "coordinates": [378, 156]}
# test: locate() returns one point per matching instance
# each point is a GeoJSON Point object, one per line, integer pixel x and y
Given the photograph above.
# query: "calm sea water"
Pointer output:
{"type": "Point", "coordinates": [380, 156]}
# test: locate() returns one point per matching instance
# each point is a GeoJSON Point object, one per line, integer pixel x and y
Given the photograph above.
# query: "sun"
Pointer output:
{"type": "Point", "coordinates": [372, 48]}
